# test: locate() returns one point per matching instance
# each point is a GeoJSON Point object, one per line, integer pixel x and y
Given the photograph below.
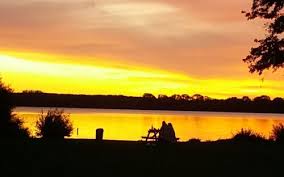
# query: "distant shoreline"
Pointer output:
{"type": "Point", "coordinates": [233, 105]}
{"type": "Point", "coordinates": [133, 109]}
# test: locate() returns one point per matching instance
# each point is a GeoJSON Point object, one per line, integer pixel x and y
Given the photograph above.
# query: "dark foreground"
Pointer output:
{"type": "Point", "coordinates": [74, 158]}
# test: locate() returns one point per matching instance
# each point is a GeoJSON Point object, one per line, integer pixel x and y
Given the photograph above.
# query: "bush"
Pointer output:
{"type": "Point", "coordinates": [278, 133]}
{"type": "Point", "coordinates": [11, 127]}
{"type": "Point", "coordinates": [247, 135]}
{"type": "Point", "coordinates": [54, 125]}
{"type": "Point", "coordinates": [194, 141]}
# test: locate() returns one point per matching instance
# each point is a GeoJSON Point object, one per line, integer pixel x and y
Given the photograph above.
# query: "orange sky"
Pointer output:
{"type": "Point", "coordinates": [131, 46]}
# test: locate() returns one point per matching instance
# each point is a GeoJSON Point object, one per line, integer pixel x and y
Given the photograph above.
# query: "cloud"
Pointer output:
{"type": "Point", "coordinates": [218, 11]}
{"type": "Point", "coordinates": [175, 35]}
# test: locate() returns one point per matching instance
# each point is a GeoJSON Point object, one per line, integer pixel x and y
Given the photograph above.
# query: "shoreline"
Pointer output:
{"type": "Point", "coordinates": [161, 110]}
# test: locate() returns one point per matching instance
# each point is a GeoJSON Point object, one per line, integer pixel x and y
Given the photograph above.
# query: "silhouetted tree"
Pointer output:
{"type": "Point", "coordinates": [54, 125]}
{"type": "Point", "coordinates": [186, 97]}
{"type": "Point", "coordinates": [207, 98]}
{"type": "Point", "coordinates": [149, 96]}
{"type": "Point", "coordinates": [270, 52]}
{"type": "Point", "coordinates": [232, 99]}
{"type": "Point", "coordinates": [262, 98]}
{"type": "Point", "coordinates": [278, 100]}
{"type": "Point", "coordinates": [246, 99]}
{"type": "Point", "coordinates": [10, 125]}
{"type": "Point", "coordinates": [6, 105]}
{"type": "Point", "coordinates": [161, 96]}
{"type": "Point", "coordinates": [278, 133]}
{"type": "Point", "coordinates": [176, 97]}
{"type": "Point", "coordinates": [198, 97]}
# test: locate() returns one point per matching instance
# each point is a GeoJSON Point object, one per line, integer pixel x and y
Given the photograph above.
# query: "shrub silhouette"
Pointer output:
{"type": "Point", "coordinates": [278, 133]}
{"type": "Point", "coordinates": [10, 125]}
{"type": "Point", "coordinates": [13, 129]}
{"type": "Point", "coordinates": [54, 125]}
{"type": "Point", "coordinates": [194, 141]}
{"type": "Point", "coordinates": [247, 135]}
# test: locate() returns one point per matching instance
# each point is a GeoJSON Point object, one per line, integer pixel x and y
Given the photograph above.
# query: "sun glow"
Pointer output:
{"type": "Point", "coordinates": [77, 78]}
{"type": "Point", "coordinates": [26, 72]}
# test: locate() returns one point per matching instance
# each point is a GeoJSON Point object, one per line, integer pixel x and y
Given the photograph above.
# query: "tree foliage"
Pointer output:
{"type": "Point", "coordinates": [54, 125]}
{"type": "Point", "coordinates": [10, 125]}
{"type": "Point", "coordinates": [6, 105]}
{"type": "Point", "coordinates": [270, 51]}
{"type": "Point", "coordinates": [149, 96]}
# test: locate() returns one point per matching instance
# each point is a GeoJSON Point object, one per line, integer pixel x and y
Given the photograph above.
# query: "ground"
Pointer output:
{"type": "Point", "coordinates": [74, 158]}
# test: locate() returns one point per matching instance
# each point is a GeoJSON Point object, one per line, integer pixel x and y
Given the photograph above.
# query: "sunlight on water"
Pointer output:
{"type": "Point", "coordinates": [132, 124]}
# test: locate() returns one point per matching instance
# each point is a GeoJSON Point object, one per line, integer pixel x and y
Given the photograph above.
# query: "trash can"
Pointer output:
{"type": "Point", "coordinates": [99, 134]}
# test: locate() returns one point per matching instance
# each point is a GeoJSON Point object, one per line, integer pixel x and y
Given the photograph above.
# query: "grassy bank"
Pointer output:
{"type": "Point", "coordinates": [117, 158]}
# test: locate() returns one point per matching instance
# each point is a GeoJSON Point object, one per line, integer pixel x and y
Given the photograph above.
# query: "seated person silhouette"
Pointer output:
{"type": "Point", "coordinates": [172, 134]}
{"type": "Point", "coordinates": [167, 133]}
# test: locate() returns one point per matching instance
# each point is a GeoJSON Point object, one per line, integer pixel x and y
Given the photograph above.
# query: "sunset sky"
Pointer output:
{"type": "Point", "coordinates": [131, 47]}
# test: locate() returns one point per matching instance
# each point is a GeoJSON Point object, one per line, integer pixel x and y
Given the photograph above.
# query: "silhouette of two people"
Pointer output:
{"type": "Point", "coordinates": [167, 133]}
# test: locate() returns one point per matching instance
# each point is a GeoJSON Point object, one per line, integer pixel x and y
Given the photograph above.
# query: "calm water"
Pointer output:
{"type": "Point", "coordinates": [132, 124]}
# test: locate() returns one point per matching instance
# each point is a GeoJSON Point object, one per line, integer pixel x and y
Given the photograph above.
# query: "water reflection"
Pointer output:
{"type": "Point", "coordinates": [132, 124]}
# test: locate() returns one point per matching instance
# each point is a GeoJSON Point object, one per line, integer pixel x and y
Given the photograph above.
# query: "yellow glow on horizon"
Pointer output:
{"type": "Point", "coordinates": [87, 78]}
{"type": "Point", "coordinates": [27, 72]}
{"type": "Point", "coordinates": [73, 60]}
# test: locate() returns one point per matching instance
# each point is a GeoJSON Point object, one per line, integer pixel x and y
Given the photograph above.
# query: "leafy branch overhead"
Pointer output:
{"type": "Point", "coordinates": [269, 54]}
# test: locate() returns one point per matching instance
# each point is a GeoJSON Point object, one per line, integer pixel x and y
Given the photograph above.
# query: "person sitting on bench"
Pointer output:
{"type": "Point", "coordinates": [167, 133]}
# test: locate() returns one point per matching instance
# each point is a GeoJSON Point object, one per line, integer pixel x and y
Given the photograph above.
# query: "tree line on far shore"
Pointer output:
{"type": "Point", "coordinates": [183, 102]}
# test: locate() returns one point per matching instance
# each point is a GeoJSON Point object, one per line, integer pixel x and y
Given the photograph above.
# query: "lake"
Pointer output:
{"type": "Point", "coordinates": [132, 124]}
